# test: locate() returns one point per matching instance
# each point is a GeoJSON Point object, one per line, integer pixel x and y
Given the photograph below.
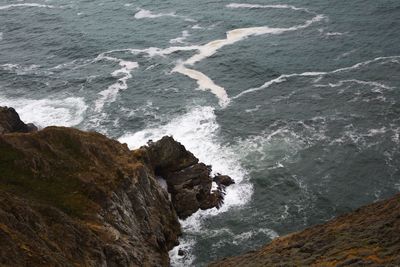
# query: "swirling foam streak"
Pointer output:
{"type": "Point", "coordinates": [204, 51]}
{"type": "Point", "coordinates": [370, 83]}
{"type": "Point", "coordinates": [284, 77]}
{"type": "Point", "coordinates": [147, 14]}
{"type": "Point", "coordinates": [255, 6]}
{"type": "Point", "coordinates": [144, 14]}
{"type": "Point", "coordinates": [111, 93]}
{"type": "Point", "coordinates": [25, 5]}
{"type": "Point", "coordinates": [180, 39]}
{"type": "Point", "coordinates": [233, 36]}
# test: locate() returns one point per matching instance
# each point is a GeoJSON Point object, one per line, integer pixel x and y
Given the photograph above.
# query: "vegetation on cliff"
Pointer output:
{"type": "Point", "coordinates": [69, 197]}
{"type": "Point", "coordinates": [368, 236]}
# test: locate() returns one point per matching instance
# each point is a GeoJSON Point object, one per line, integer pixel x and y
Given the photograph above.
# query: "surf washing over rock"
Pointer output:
{"type": "Point", "coordinates": [297, 101]}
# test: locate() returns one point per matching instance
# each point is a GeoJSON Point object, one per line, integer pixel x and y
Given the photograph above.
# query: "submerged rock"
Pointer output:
{"type": "Point", "coordinates": [11, 123]}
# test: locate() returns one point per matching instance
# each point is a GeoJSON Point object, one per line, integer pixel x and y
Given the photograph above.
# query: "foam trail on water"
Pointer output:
{"type": "Point", "coordinates": [280, 79]}
{"type": "Point", "coordinates": [232, 37]}
{"type": "Point", "coordinates": [205, 83]}
{"type": "Point", "coordinates": [181, 39]}
{"type": "Point", "coordinates": [284, 77]}
{"type": "Point", "coordinates": [110, 94]}
{"type": "Point", "coordinates": [237, 35]}
{"type": "Point", "coordinates": [143, 13]}
{"type": "Point", "coordinates": [239, 5]}
{"type": "Point", "coordinates": [46, 112]}
{"type": "Point", "coordinates": [25, 5]}
{"type": "Point", "coordinates": [370, 83]}
{"type": "Point", "coordinates": [147, 14]}
{"type": "Point", "coordinates": [209, 49]}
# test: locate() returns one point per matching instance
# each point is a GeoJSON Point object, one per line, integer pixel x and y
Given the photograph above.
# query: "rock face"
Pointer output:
{"type": "Point", "coordinates": [10, 122]}
{"type": "Point", "coordinates": [368, 236]}
{"type": "Point", "coordinates": [73, 198]}
{"type": "Point", "coordinates": [70, 197]}
{"type": "Point", "coordinates": [189, 181]}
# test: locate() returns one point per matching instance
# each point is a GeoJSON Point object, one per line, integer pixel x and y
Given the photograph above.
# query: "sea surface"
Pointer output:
{"type": "Point", "coordinates": [298, 101]}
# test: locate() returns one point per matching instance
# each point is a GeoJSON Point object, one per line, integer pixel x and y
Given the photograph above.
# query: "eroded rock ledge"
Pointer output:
{"type": "Point", "coordinates": [69, 197]}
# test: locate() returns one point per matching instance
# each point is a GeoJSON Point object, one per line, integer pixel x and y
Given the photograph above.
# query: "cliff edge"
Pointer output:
{"type": "Point", "coordinates": [74, 198]}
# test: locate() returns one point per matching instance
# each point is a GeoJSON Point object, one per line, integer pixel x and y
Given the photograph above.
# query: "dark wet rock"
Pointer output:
{"type": "Point", "coordinates": [189, 182]}
{"type": "Point", "coordinates": [223, 180]}
{"type": "Point", "coordinates": [10, 122]}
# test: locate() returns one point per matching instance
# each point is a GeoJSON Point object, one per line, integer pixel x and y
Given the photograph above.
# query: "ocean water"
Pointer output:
{"type": "Point", "coordinates": [298, 101]}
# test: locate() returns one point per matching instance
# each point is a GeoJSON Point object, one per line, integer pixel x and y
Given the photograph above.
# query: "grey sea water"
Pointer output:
{"type": "Point", "coordinates": [298, 101]}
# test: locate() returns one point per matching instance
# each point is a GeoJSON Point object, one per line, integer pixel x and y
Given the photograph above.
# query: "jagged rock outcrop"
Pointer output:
{"type": "Point", "coordinates": [223, 180]}
{"type": "Point", "coordinates": [10, 122]}
{"type": "Point", "coordinates": [368, 236]}
{"type": "Point", "coordinates": [74, 198]}
{"type": "Point", "coordinates": [189, 181]}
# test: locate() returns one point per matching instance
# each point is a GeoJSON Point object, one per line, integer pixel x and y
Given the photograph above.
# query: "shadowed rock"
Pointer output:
{"type": "Point", "coordinates": [73, 198]}
{"type": "Point", "coordinates": [189, 182]}
{"type": "Point", "coordinates": [11, 123]}
{"type": "Point", "coordinates": [223, 180]}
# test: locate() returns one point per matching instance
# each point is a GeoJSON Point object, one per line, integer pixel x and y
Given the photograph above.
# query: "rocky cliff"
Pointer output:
{"type": "Point", "coordinates": [368, 236]}
{"type": "Point", "coordinates": [74, 198]}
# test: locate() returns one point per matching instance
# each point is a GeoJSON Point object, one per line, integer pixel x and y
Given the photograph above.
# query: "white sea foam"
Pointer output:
{"type": "Point", "coordinates": [284, 77]}
{"type": "Point", "coordinates": [335, 33]}
{"type": "Point", "coordinates": [187, 259]}
{"type": "Point", "coordinates": [369, 83]}
{"type": "Point", "coordinates": [110, 94]}
{"type": "Point", "coordinates": [143, 14]}
{"type": "Point", "coordinates": [207, 50]}
{"type": "Point", "coordinates": [238, 239]}
{"type": "Point", "coordinates": [181, 39]}
{"type": "Point", "coordinates": [25, 5]}
{"type": "Point", "coordinates": [1, 36]}
{"type": "Point", "coordinates": [198, 131]}
{"type": "Point", "coordinates": [236, 35]}
{"type": "Point", "coordinates": [254, 6]}
{"type": "Point", "coordinates": [197, 27]}
{"type": "Point", "coordinates": [147, 14]}
{"type": "Point", "coordinates": [24, 70]}
{"type": "Point", "coordinates": [232, 37]}
{"type": "Point", "coordinates": [46, 112]}
{"type": "Point", "coordinates": [204, 83]}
